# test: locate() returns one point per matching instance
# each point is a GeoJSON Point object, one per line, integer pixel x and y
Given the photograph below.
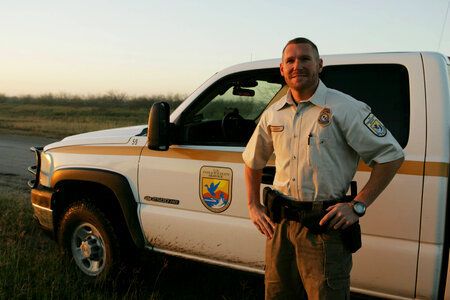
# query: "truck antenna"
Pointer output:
{"type": "Point", "coordinates": [443, 26]}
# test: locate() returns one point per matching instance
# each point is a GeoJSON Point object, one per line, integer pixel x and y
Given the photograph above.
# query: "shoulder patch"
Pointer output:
{"type": "Point", "coordinates": [375, 125]}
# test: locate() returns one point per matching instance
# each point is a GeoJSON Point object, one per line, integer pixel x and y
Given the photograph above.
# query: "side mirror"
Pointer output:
{"type": "Point", "coordinates": [159, 127]}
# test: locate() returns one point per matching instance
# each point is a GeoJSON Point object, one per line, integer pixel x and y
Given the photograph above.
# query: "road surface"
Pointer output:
{"type": "Point", "coordinates": [15, 157]}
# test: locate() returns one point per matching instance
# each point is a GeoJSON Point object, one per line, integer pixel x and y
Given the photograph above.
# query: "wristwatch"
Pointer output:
{"type": "Point", "coordinates": [359, 208]}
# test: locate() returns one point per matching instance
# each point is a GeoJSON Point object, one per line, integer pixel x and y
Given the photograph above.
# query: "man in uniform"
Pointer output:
{"type": "Point", "coordinates": [318, 136]}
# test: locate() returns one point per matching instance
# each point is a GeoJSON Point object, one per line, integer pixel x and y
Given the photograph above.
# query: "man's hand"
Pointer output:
{"type": "Point", "coordinates": [342, 215]}
{"type": "Point", "coordinates": [261, 221]}
{"type": "Point", "coordinates": [339, 216]}
{"type": "Point", "coordinates": [255, 208]}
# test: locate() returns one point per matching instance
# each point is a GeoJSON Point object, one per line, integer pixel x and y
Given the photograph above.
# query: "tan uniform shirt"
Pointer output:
{"type": "Point", "coordinates": [318, 144]}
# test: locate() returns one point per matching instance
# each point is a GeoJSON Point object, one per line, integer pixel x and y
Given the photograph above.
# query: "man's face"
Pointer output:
{"type": "Point", "coordinates": [300, 67]}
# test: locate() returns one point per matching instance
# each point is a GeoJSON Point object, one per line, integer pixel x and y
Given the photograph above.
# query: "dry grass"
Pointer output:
{"type": "Point", "coordinates": [56, 128]}
{"type": "Point", "coordinates": [31, 266]}
{"type": "Point", "coordinates": [59, 116]}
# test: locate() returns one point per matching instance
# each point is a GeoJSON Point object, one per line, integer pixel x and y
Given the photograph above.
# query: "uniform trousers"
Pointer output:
{"type": "Point", "coordinates": [302, 265]}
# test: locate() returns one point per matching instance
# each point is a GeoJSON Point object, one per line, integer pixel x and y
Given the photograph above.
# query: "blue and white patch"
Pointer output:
{"type": "Point", "coordinates": [375, 125]}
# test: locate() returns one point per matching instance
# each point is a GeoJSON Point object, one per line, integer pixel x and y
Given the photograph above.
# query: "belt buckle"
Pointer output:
{"type": "Point", "coordinates": [317, 205]}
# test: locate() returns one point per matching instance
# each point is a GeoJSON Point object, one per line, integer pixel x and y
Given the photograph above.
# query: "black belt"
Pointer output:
{"type": "Point", "coordinates": [297, 210]}
{"type": "Point", "coordinates": [310, 205]}
{"type": "Point", "coordinates": [279, 206]}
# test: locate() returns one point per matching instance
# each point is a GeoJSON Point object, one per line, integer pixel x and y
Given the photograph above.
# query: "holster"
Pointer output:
{"type": "Point", "coordinates": [279, 207]}
{"type": "Point", "coordinates": [273, 207]}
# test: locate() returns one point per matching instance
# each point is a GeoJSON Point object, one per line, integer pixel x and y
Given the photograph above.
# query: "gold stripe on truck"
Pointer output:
{"type": "Point", "coordinates": [100, 150]}
{"type": "Point", "coordinates": [409, 167]}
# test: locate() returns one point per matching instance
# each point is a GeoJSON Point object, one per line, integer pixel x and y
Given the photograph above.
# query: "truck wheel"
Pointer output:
{"type": "Point", "coordinates": [88, 237]}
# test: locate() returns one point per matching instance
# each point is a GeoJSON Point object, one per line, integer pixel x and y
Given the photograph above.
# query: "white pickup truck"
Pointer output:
{"type": "Point", "coordinates": [177, 185]}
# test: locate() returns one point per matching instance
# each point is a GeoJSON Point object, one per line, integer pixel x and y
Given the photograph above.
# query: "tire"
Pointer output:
{"type": "Point", "coordinates": [88, 238]}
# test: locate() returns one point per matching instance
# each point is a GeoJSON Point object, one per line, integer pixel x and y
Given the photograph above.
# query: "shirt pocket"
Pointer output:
{"type": "Point", "coordinates": [318, 149]}
{"type": "Point", "coordinates": [280, 137]}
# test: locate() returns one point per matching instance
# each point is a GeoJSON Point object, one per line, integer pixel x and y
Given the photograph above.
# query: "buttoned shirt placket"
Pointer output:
{"type": "Point", "coordinates": [297, 143]}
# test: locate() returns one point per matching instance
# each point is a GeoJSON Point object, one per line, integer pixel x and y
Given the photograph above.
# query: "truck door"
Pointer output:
{"type": "Point", "coordinates": [393, 86]}
{"type": "Point", "coordinates": [193, 196]}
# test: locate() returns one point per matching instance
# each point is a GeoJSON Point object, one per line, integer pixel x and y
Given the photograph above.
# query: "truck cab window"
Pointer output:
{"type": "Point", "coordinates": [384, 87]}
{"type": "Point", "coordinates": [227, 113]}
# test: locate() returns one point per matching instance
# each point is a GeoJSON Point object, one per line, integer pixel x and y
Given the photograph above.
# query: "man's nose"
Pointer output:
{"type": "Point", "coordinates": [298, 64]}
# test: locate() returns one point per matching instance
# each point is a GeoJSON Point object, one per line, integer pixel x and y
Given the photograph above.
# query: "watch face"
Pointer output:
{"type": "Point", "coordinates": [359, 208]}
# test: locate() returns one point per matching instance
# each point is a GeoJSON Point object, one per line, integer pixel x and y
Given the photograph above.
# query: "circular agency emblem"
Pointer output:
{"type": "Point", "coordinates": [215, 188]}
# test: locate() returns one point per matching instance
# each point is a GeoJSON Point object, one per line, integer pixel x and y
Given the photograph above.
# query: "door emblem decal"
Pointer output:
{"type": "Point", "coordinates": [215, 188]}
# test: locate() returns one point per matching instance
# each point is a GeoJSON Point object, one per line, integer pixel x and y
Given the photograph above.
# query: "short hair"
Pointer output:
{"type": "Point", "coordinates": [302, 40]}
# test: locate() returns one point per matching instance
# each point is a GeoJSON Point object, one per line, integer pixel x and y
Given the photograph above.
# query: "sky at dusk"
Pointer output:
{"type": "Point", "coordinates": [151, 47]}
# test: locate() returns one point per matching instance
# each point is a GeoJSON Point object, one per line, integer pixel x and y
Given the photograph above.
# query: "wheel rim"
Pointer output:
{"type": "Point", "coordinates": [88, 250]}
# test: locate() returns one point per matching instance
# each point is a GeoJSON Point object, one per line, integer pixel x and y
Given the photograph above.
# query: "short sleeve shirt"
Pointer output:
{"type": "Point", "coordinates": [318, 143]}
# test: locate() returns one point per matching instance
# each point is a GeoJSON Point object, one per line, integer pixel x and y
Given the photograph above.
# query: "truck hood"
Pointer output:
{"type": "Point", "coordinates": [109, 136]}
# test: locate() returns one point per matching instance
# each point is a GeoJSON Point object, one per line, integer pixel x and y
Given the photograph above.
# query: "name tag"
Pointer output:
{"type": "Point", "coordinates": [278, 128]}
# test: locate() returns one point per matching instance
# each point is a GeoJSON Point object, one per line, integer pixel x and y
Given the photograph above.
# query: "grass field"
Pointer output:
{"type": "Point", "coordinates": [57, 116]}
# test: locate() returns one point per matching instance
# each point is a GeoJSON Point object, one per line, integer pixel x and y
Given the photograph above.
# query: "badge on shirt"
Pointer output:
{"type": "Point", "coordinates": [325, 116]}
{"type": "Point", "coordinates": [375, 125]}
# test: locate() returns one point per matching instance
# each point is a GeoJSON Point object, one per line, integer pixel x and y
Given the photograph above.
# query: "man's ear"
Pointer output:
{"type": "Point", "coordinates": [281, 69]}
{"type": "Point", "coordinates": [320, 65]}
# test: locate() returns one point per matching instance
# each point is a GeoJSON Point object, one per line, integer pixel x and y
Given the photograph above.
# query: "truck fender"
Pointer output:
{"type": "Point", "coordinates": [118, 184]}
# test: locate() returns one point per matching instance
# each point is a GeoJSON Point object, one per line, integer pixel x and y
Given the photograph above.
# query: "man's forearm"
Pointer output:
{"type": "Point", "coordinates": [256, 210]}
{"type": "Point", "coordinates": [253, 182]}
{"type": "Point", "coordinates": [342, 214]}
{"type": "Point", "coordinates": [380, 177]}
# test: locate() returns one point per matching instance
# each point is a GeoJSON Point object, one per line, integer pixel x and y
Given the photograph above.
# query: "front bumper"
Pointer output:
{"type": "Point", "coordinates": [41, 199]}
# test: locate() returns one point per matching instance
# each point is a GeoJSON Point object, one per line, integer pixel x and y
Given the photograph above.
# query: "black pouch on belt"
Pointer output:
{"type": "Point", "coordinates": [351, 237]}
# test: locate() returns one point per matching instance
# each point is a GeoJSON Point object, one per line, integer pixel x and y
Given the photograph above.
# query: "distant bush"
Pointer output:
{"type": "Point", "coordinates": [110, 99]}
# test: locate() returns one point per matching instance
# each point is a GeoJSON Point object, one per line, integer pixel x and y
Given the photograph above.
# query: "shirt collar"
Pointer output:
{"type": "Point", "coordinates": [319, 97]}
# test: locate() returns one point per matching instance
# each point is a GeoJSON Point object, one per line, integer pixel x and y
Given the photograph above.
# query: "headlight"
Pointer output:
{"type": "Point", "coordinates": [46, 169]}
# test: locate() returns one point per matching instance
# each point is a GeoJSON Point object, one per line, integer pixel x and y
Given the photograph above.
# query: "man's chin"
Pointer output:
{"type": "Point", "coordinates": [298, 84]}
